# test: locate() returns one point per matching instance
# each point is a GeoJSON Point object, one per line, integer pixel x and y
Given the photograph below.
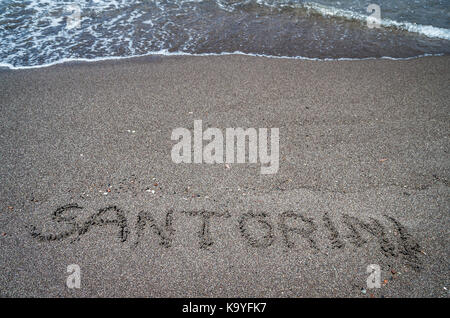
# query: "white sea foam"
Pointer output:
{"type": "Point", "coordinates": [40, 39]}
{"type": "Point", "coordinates": [167, 53]}
{"type": "Point", "coordinates": [331, 11]}
{"type": "Point", "coordinates": [427, 30]}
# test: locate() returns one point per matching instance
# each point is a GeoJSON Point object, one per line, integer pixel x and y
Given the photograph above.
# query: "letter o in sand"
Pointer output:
{"type": "Point", "coordinates": [256, 230]}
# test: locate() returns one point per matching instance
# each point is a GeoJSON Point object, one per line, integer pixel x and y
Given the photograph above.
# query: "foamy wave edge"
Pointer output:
{"type": "Point", "coordinates": [330, 11]}
{"type": "Point", "coordinates": [427, 30]}
{"type": "Point", "coordinates": [167, 53]}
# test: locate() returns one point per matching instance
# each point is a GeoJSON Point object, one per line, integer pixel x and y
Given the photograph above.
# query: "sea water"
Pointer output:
{"type": "Point", "coordinates": [35, 33]}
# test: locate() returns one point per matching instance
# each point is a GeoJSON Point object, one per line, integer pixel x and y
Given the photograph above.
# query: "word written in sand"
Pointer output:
{"type": "Point", "coordinates": [256, 230]}
{"type": "Point", "coordinates": [214, 150]}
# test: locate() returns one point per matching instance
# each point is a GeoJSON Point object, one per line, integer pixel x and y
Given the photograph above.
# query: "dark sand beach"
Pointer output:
{"type": "Point", "coordinates": [87, 178]}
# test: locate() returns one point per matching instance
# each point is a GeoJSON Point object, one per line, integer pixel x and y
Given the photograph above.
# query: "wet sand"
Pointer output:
{"type": "Point", "coordinates": [87, 178]}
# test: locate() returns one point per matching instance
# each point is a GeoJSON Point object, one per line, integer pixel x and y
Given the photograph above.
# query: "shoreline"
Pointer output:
{"type": "Point", "coordinates": [87, 179]}
{"type": "Point", "coordinates": [162, 54]}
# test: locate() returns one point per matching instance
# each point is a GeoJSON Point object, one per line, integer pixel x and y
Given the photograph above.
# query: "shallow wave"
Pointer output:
{"type": "Point", "coordinates": [333, 12]}
{"type": "Point", "coordinates": [427, 30]}
{"type": "Point", "coordinates": [34, 34]}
